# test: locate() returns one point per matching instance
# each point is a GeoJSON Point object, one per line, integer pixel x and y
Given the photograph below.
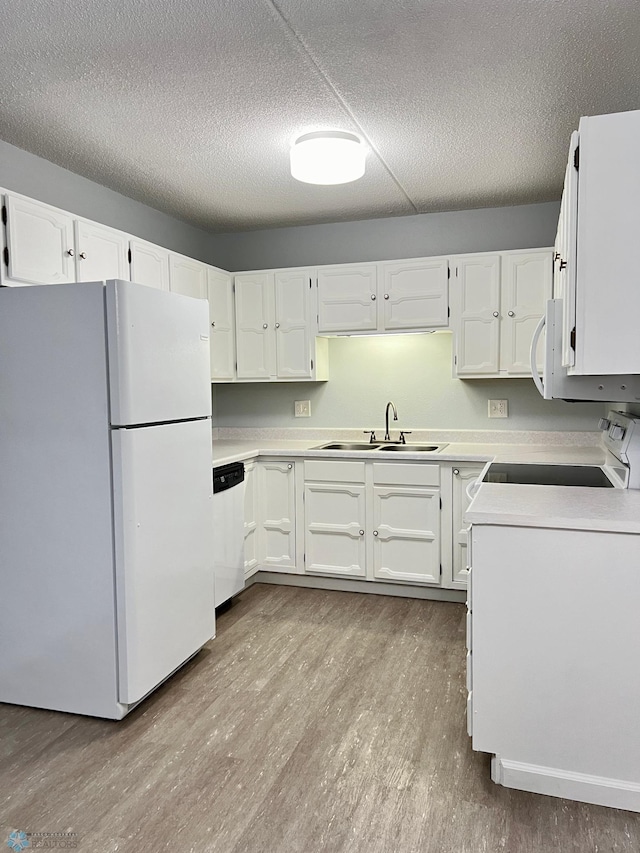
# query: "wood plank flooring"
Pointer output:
{"type": "Point", "coordinates": [316, 721]}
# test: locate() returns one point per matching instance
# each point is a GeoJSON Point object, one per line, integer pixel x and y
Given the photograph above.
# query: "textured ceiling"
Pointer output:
{"type": "Point", "coordinates": [191, 107]}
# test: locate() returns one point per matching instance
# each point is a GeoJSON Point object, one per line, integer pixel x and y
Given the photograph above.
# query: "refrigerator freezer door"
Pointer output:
{"type": "Point", "coordinates": [158, 346]}
{"type": "Point", "coordinates": [164, 550]}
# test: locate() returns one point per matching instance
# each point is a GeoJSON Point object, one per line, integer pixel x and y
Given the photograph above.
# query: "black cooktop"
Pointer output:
{"type": "Point", "coordinates": [547, 475]}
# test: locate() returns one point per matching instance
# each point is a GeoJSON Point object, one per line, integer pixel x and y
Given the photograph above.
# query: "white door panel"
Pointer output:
{"type": "Point", "coordinates": [149, 264]}
{"type": "Point", "coordinates": [164, 557]}
{"type": "Point", "coordinates": [158, 355]}
{"type": "Point", "coordinates": [101, 252]}
{"type": "Point", "coordinates": [40, 243]}
{"type": "Point", "coordinates": [187, 277]}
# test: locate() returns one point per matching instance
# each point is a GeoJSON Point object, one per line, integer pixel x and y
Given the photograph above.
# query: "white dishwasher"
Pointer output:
{"type": "Point", "coordinates": [228, 525]}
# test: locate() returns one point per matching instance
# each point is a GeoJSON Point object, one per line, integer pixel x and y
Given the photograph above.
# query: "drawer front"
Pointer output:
{"type": "Point", "coordinates": [406, 474]}
{"type": "Point", "coordinates": [334, 471]}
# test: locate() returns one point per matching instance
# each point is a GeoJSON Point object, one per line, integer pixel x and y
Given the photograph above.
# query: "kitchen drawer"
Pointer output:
{"type": "Point", "coordinates": [469, 673]}
{"type": "Point", "coordinates": [334, 471]}
{"type": "Point", "coordinates": [469, 631]}
{"type": "Point", "coordinates": [405, 474]}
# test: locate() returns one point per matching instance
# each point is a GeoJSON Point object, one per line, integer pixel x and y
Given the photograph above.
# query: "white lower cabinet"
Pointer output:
{"type": "Point", "coordinates": [250, 520]}
{"type": "Point", "coordinates": [462, 475]}
{"type": "Point", "coordinates": [277, 515]}
{"type": "Point", "coordinates": [376, 521]}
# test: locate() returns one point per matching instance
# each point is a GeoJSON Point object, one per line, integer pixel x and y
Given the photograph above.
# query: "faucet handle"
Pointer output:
{"type": "Point", "coordinates": [372, 437]}
{"type": "Point", "coordinates": [404, 432]}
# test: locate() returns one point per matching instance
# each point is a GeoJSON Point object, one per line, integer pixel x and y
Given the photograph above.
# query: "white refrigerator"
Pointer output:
{"type": "Point", "coordinates": [106, 551]}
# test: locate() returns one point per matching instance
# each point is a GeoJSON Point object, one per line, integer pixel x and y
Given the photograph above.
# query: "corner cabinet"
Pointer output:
{"type": "Point", "coordinates": [275, 327]}
{"type": "Point", "coordinates": [390, 296]}
{"type": "Point", "coordinates": [462, 475]}
{"type": "Point", "coordinates": [497, 301]}
{"type": "Point", "coordinates": [277, 515]}
{"type": "Point", "coordinates": [250, 520]}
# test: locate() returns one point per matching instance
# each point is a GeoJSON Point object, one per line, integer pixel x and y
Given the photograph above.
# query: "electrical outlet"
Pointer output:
{"type": "Point", "coordinates": [498, 408]}
{"type": "Point", "coordinates": [302, 409]}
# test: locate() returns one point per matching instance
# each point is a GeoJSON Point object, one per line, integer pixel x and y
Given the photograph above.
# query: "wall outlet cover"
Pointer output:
{"type": "Point", "coordinates": [498, 408]}
{"type": "Point", "coordinates": [302, 408]}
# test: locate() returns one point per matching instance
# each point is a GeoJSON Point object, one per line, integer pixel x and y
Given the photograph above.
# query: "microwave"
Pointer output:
{"type": "Point", "coordinates": [556, 383]}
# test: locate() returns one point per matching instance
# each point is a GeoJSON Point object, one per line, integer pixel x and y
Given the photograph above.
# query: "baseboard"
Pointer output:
{"type": "Point", "coordinates": [348, 585]}
{"type": "Point", "coordinates": [599, 790]}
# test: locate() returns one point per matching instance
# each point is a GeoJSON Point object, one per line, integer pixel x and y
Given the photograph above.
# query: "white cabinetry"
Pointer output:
{"type": "Point", "coordinates": [377, 521]}
{"type": "Point", "coordinates": [462, 475]}
{"type": "Point", "coordinates": [277, 515]}
{"type": "Point", "coordinates": [390, 296]}
{"type": "Point", "coordinates": [48, 246]}
{"type": "Point", "coordinates": [250, 520]}
{"type": "Point", "coordinates": [187, 276]}
{"type": "Point", "coordinates": [599, 234]}
{"type": "Point", "coordinates": [497, 301]}
{"type": "Point", "coordinates": [149, 264]}
{"type": "Point", "coordinates": [221, 318]}
{"type": "Point", "coordinates": [275, 327]}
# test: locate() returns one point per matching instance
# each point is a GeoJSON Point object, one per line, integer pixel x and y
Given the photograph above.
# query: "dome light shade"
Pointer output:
{"type": "Point", "coordinates": [327, 157]}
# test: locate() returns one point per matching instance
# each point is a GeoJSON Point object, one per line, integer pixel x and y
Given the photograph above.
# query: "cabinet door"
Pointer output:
{"type": "Point", "coordinates": [293, 324]}
{"type": "Point", "coordinates": [255, 326]}
{"type": "Point", "coordinates": [347, 298]}
{"type": "Point", "coordinates": [462, 476]}
{"type": "Point", "coordinates": [526, 286]}
{"type": "Point", "coordinates": [569, 249]}
{"type": "Point", "coordinates": [101, 252]}
{"type": "Point", "coordinates": [477, 288]}
{"type": "Point", "coordinates": [223, 343]}
{"type": "Point", "coordinates": [40, 243]}
{"type": "Point", "coordinates": [335, 529]}
{"type": "Point", "coordinates": [250, 520]}
{"type": "Point", "coordinates": [187, 276]}
{"type": "Point", "coordinates": [277, 512]}
{"type": "Point", "coordinates": [415, 294]}
{"type": "Point", "coordinates": [149, 264]}
{"type": "Point", "coordinates": [406, 534]}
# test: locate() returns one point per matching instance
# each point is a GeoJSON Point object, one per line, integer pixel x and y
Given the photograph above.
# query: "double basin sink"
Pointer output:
{"type": "Point", "coordinates": [406, 448]}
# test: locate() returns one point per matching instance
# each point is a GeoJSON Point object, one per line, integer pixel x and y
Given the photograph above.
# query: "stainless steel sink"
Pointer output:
{"type": "Point", "coordinates": [346, 445]}
{"type": "Point", "coordinates": [412, 448]}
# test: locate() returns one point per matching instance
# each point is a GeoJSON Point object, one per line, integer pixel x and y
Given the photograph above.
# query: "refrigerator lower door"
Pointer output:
{"type": "Point", "coordinates": [163, 522]}
{"type": "Point", "coordinates": [158, 348]}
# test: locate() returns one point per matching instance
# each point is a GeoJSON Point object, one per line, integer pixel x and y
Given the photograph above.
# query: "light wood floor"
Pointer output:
{"type": "Point", "coordinates": [316, 721]}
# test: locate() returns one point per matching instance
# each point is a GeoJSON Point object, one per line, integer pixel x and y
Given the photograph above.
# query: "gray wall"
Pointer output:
{"type": "Point", "coordinates": [37, 178]}
{"type": "Point", "coordinates": [412, 370]}
{"type": "Point", "coordinates": [486, 230]}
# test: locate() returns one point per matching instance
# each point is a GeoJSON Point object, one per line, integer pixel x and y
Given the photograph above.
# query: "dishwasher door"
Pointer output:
{"type": "Point", "coordinates": [228, 527]}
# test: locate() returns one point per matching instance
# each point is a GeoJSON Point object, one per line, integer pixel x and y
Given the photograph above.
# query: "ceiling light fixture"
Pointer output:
{"type": "Point", "coordinates": [328, 157]}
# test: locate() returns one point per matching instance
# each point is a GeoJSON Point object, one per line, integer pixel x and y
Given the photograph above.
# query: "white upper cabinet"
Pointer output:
{"type": "Point", "coordinates": [255, 326]}
{"type": "Point", "coordinates": [101, 252]}
{"type": "Point", "coordinates": [477, 310]}
{"type": "Point", "coordinates": [389, 296]}
{"type": "Point", "coordinates": [497, 301]}
{"type": "Point", "coordinates": [221, 317]}
{"type": "Point", "coordinates": [40, 243]}
{"type": "Point", "coordinates": [149, 264]}
{"type": "Point", "coordinates": [187, 276]}
{"type": "Point", "coordinates": [347, 298]}
{"type": "Point", "coordinates": [414, 294]}
{"type": "Point", "coordinates": [276, 328]}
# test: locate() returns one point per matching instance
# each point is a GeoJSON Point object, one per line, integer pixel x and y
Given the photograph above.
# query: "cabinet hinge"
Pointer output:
{"type": "Point", "coordinates": [455, 359]}
{"type": "Point", "coordinates": [310, 285]}
{"type": "Point", "coordinates": [4, 214]}
{"type": "Point", "coordinates": [448, 272]}
{"type": "Point", "coordinates": [5, 256]}
{"type": "Point", "coordinates": [576, 157]}
{"type": "Point", "coordinates": [233, 287]}
{"type": "Point", "coordinates": [572, 339]}
{"type": "Point", "coordinates": [129, 255]}
{"type": "Point", "coordinates": [440, 503]}
{"type": "Point", "coordinates": [448, 311]}
{"type": "Point", "coordinates": [311, 364]}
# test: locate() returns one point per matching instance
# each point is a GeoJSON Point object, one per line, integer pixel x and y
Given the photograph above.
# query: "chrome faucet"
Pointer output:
{"type": "Point", "coordinates": [387, 437]}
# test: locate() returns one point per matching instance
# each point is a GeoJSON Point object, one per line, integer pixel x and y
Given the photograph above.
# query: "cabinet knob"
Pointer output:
{"type": "Point", "coordinates": [511, 313]}
{"type": "Point", "coordinates": [83, 255]}
{"type": "Point", "coordinates": [265, 326]}
{"type": "Point", "coordinates": [362, 533]}
{"type": "Point", "coordinates": [290, 465]}
{"type": "Point", "coordinates": [213, 325]}
{"type": "Point", "coordinates": [277, 325]}
{"type": "Point", "coordinates": [375, 532]}
{"type": "Point", "coordinates": [386, 296]}
{"type": "Point", "coordinates": [496, 314]}
{"type": "Point", "coordinates": [70, 252]}
{"type": "Point", "coordinates": [373, 297]}
{"type": "Point", "coordinates": [563, 264]}
{"type": "Point", "coordinates": [456, 471]}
